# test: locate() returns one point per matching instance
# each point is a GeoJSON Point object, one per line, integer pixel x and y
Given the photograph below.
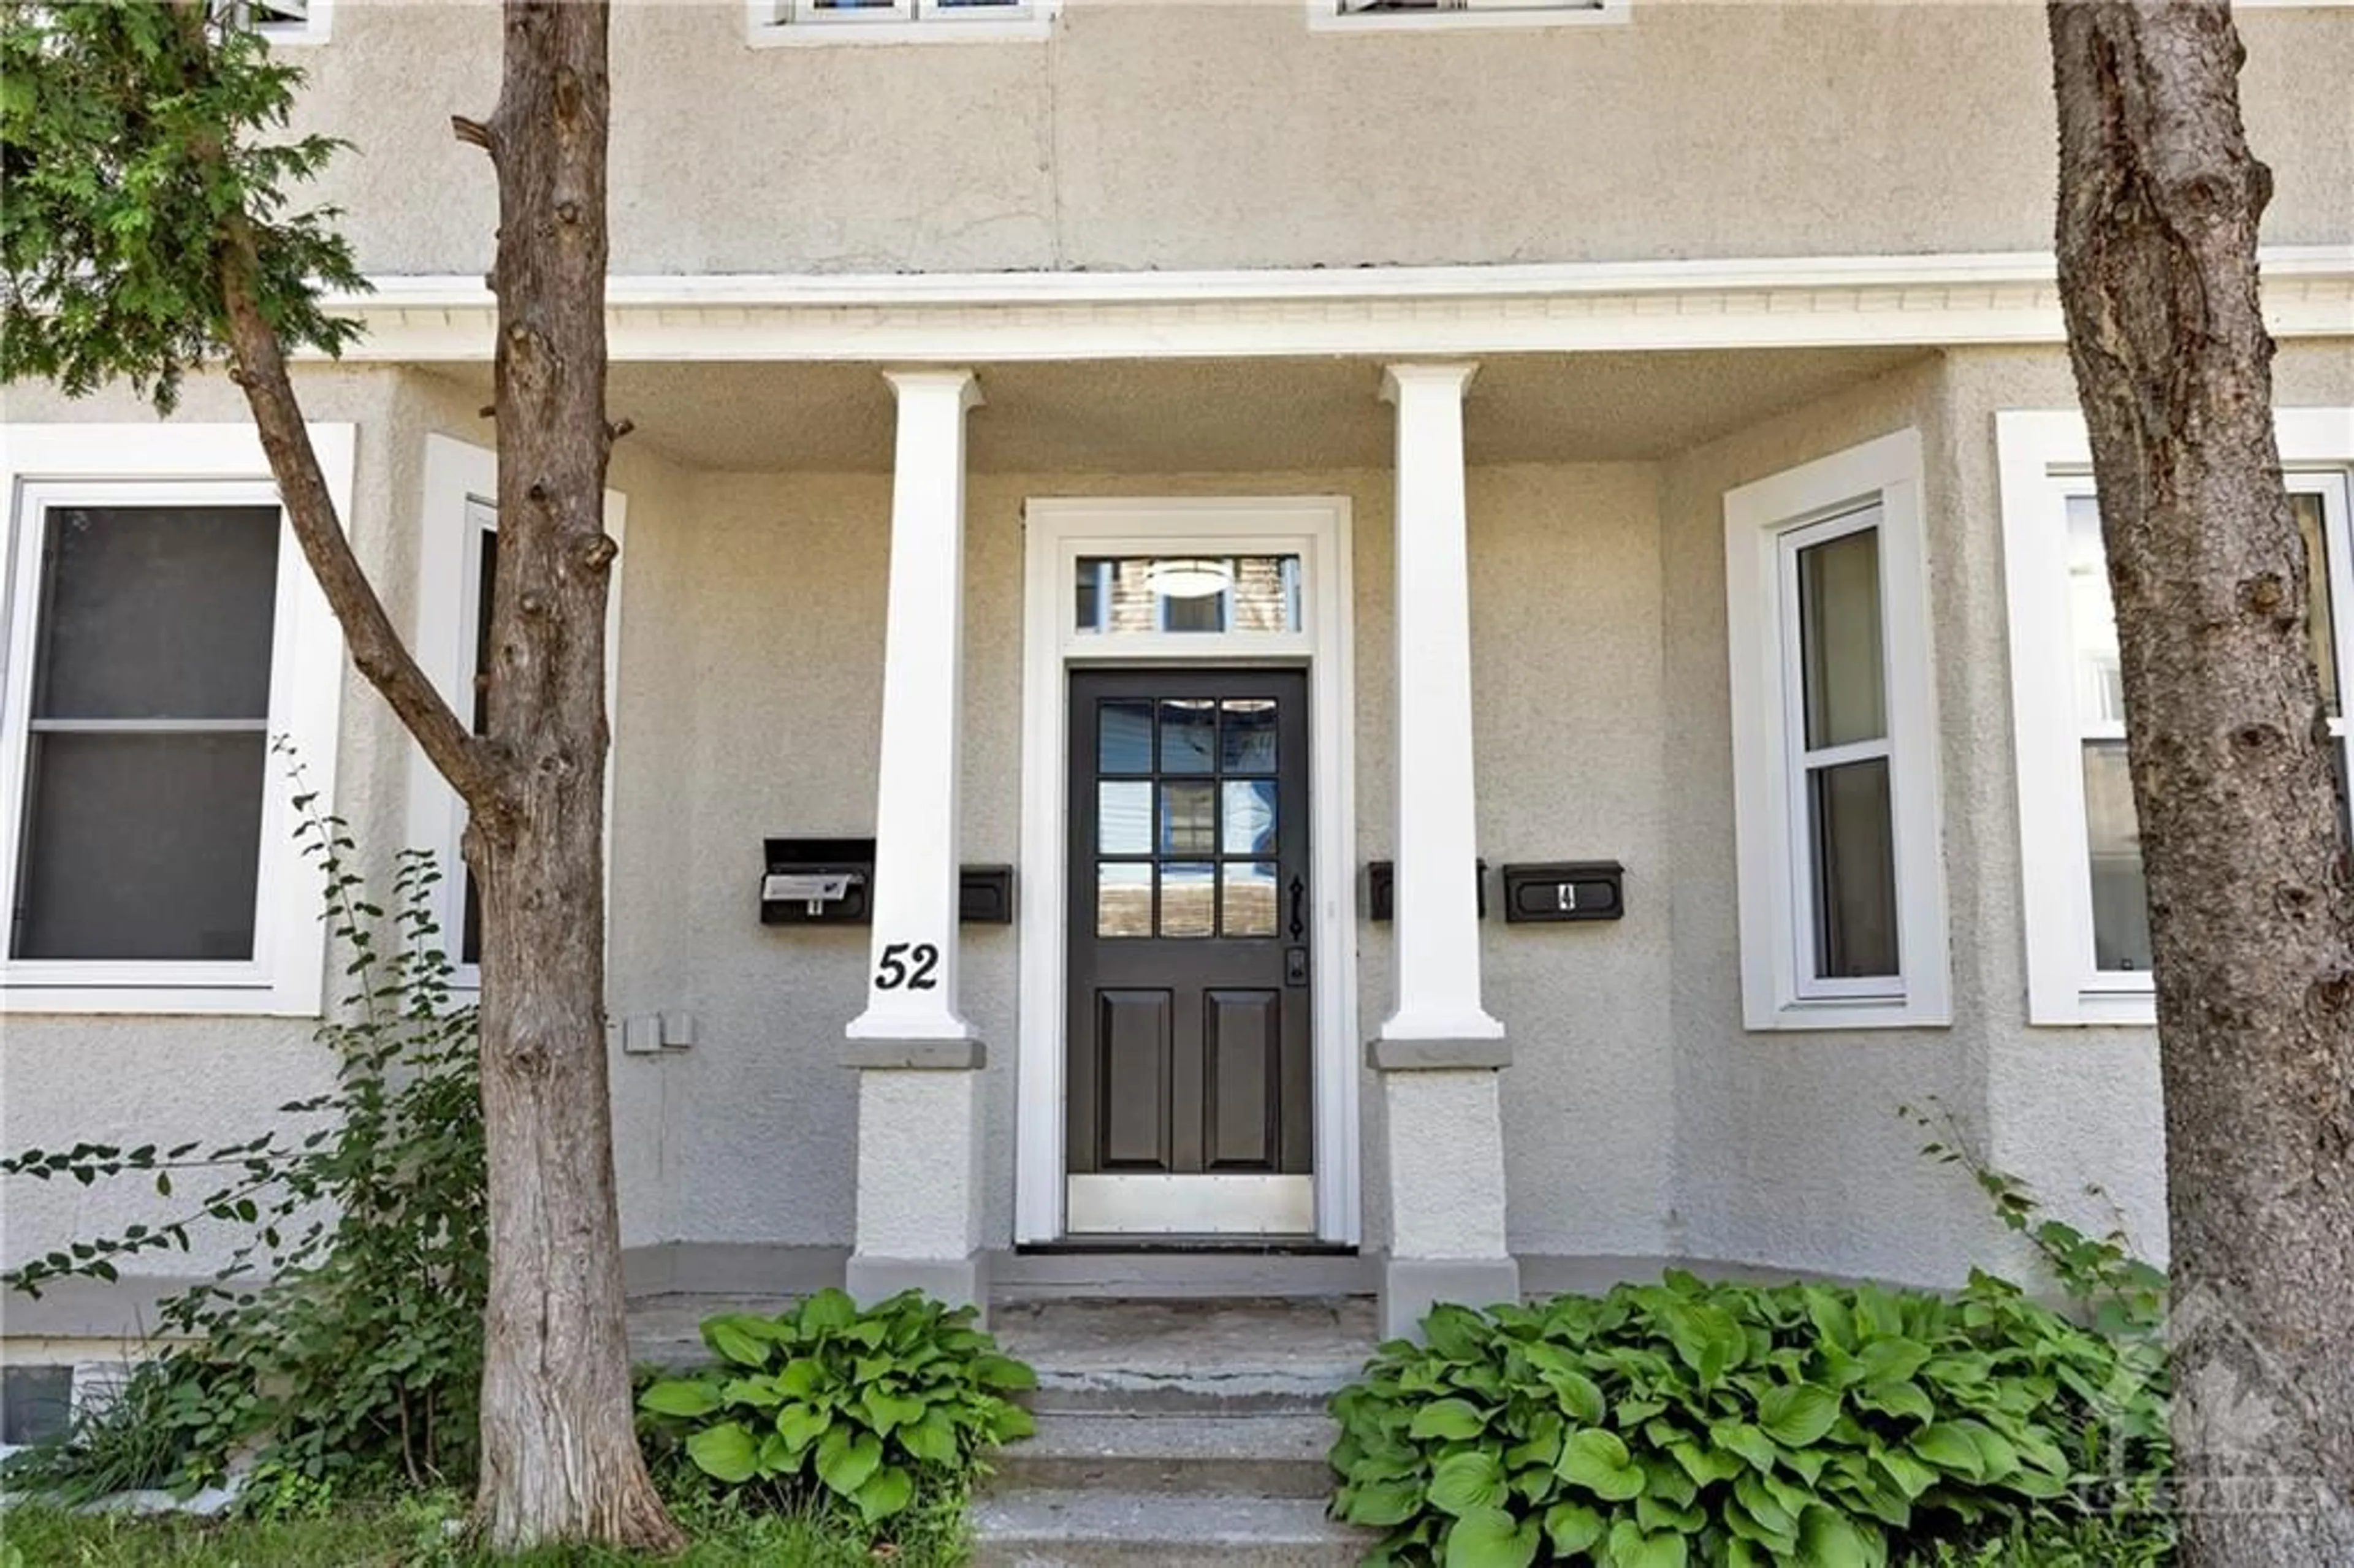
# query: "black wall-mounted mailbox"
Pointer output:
{"type": "Point", "coordinates": [831, 882]}
{"type": "Point", "coordinates": [1381, 889]}
{"type": "Point", "coordinates": [816, 882]}
{"type": "Point", "coordinates": [1566, 890]}
{"type": "Point", "coordinates": [985, 895]}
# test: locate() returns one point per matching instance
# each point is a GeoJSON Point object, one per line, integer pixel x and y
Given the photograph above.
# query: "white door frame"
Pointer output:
{"type": "Point", "coordinates": [1057, 531]}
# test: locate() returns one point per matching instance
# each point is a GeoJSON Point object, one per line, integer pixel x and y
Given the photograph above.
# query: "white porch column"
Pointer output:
{"type": "Point", "coordinates": [918, 1091]}
{"type": "Point", "coordinates": [1439, 1051]}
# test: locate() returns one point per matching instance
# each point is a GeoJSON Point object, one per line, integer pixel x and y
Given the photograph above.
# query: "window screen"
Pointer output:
{"type": "Point", "coordinates": [147, 741]}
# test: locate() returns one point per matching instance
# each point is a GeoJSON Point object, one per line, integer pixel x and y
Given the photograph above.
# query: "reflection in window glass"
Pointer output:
{"type": "Point", "coordinates": [1124, 899]}
{"type": "Point", "coordinates": [2113, 837]}
{"type": "Point", "coordinates": [1855, 850]}
{"type": "Point", "coordinates": [2306, 507]}
{"type": "Point", "coordinates": [2092, 627]}
{"type": "Point", "coordinates": [1249, 810]}
{"type": "Point", "coordinates": [1124, 595]}
{"type": "Point", "coordinates": [1838, 620]}
{"type": "Point", "coordinates": [1124, 817]}
{"type": "Point", "coordinates": [1188, 899]}
{"type": "Point", "coordinates": [1247, 902]}
{"type": "Point", "coordinates": [1188, 819]}
{"type": "Point", "coordinates": [1189, 736]}
{"type": "Point", "coordinates": [1248, 735]}
{"type": "Point", "coordinates": [1124, 737]}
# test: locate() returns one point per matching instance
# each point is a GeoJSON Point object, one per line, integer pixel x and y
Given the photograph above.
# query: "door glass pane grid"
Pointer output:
{"type": "Point", "coordinates": [1182, 850]}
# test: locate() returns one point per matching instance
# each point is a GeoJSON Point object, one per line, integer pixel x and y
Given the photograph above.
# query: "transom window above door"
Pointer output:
{"type": "Point", "coordinates": [1132, 595]}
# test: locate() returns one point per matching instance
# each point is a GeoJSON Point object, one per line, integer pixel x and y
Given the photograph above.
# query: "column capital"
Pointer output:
{"type": "Point", "coordinates": [907, 378]}
{"type": "Point", "coordinates": [1455, 373]}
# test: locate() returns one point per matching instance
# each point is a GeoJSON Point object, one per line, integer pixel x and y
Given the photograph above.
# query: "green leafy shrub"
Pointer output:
{"type": "Point", "coordinates": [1684, 1423]}
{"type": "Point", "coordinates": [341, 1344]}
{"type": "Point", "coordinates": [869, 1408]}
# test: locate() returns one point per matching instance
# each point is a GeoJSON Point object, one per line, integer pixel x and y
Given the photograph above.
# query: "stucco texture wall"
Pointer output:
{"type": "Point", "coordinates": [1146, 134]}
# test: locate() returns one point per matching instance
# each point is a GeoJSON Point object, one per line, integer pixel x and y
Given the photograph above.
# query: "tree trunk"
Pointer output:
{"type": "Point", "coordinates": [2251, 911]}
{"type": "Point", "coordinates": [560, 1460]}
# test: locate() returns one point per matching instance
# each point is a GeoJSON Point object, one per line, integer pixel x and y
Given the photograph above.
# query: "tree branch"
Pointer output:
{"type": "Point", "coordinates": [468, 762]}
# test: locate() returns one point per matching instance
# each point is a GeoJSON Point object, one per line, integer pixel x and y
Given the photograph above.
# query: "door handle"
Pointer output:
{"type": "Point", "coordinates": [1299, 908]}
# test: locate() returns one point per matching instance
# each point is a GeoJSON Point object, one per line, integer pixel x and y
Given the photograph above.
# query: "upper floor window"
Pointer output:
{"type": "Point", "coordinates": [2086, 906]}
{"type": "Point", "coordinates": [281, 21]}
{"type": "Point", "coordinates": [896, 21]}
{"type": "Point", "coordinates": [161, 631]}
{"type": "Point", "coordinates": [1835, 784]}
{"type": "Point", "coordinates": [1378, 14]}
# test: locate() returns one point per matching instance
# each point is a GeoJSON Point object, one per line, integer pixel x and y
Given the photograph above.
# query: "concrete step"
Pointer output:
{"type": "Point", "coordinates": [1280, 1456]}
{"type": "Point", "coordinates": [1051, 1527]}
{"type": "Point", "coordinates": [1198, 1358]}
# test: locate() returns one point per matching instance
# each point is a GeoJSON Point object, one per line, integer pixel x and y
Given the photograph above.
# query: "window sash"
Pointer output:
{"type": "Point", "coordinates": [2070, 487]}
{"type": "Point", "coordinates": [1811, 854]}
{"type": "Point", "coordinates": [813, 13]}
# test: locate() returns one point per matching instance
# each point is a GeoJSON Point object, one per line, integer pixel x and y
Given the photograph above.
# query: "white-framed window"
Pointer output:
{"type": "Point", "coordinates": [1842, 898]}
{"type": "Point", "coordinates": [787, 22]}
{"type": "Point", "coordinates": [162, 633]}
{"type": "Point", "coordinates": [2086, 910]}
{"type": "Point", "coordinates": [458, 535]}
{"type": "Point", "coordinates": [1377, 16]}
{"type": "Point", "coordinates": [284, 21]}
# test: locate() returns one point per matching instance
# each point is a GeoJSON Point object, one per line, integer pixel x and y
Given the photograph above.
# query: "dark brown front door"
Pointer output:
{"type": "Point", "coordinates": [1188, 1025]}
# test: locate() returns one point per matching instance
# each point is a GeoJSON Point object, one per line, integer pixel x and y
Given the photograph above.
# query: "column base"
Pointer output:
{"type": "Point", "coordinates": [1411, 1286]}
{"type": "Point", "coordinates": [959, 1281]}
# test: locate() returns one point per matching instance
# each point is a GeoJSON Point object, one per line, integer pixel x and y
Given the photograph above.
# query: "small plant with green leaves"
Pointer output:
{"type": "Point", "coordinates": [867, 1409]}
{"type": "Point", "coordinates": [2116, 1290]}
{"type": "Point", "coordinates": [1684, 1423]}
{"type": "Point", "coordinates": [341, 1343]}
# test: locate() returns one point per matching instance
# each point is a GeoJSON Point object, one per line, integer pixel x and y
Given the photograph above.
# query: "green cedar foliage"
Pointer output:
{"type": "Point", "coordinates": [136, 140]}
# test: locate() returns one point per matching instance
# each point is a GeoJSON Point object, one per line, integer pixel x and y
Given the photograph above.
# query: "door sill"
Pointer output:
{"type": "Point", "coordinates": [1251, 1247]}
{"type": "Point", "coordinates": [1237, 1205]}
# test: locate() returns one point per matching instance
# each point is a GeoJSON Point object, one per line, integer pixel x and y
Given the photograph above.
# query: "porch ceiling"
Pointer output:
{"type": "Point", "coordinates": [1164, 416]}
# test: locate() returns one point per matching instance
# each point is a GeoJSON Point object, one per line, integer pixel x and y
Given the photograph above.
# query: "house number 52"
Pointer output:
{"type": "Point", "coordinates": [909, 965]}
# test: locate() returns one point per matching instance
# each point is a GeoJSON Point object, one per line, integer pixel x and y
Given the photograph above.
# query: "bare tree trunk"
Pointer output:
{"type": "Point", "coordinates": [2250, 910]}
{"type": "Point", "coordinates": [560, 1458]}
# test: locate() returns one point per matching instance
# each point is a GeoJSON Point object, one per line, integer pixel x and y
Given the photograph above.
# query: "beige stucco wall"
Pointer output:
{"type": "Point", "coordinates": [1148, 134]}
{"type": "Point", "coordinates": [1639, 1118]}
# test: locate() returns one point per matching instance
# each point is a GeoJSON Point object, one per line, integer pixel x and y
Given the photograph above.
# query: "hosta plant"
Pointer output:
{"type": "Point", "coordinates": [1684, 1423]}
{"type": "Point", "coordinates": [868, 1407]}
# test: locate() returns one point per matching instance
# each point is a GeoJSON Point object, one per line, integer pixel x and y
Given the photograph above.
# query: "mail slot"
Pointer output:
{"type": "Point", "coordinates": [1566, 890]}
{"type": "Point", "coordinates": [816, 882]}
{"type": "Point", "coordinates": [1381, 888]}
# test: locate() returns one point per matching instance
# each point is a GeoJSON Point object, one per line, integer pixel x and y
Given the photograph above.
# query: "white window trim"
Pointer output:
{"type": "Point", "coordinates": [286, 976]}
{"type": "Point", "coordinates": [771, 24]}
{"type": "Point", "coordinates": [458, 475]}
{"type": "Point", "coordinates": [1777, 988]}
{"type": "Point", "coordinates": [1327, 16]}
{"type": "Point", "coordinates": [2045, 457]}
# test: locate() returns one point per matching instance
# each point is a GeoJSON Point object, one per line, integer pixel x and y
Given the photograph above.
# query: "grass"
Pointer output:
{"type": "Point", "coordinates": [416, 1532]}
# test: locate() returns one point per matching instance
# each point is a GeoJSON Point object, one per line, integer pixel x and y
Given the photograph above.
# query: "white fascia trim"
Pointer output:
{"type": "Point", "coordinates": [286, 976]}
{"type": "Point", "coordinates": [1886, 473]}
{"type": "Point", "coordinates": [450, 576]}
{"type": "Point", "coordinates": [2042, 455]}
{"type": "Point", "coordinates": [1394, 312]}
